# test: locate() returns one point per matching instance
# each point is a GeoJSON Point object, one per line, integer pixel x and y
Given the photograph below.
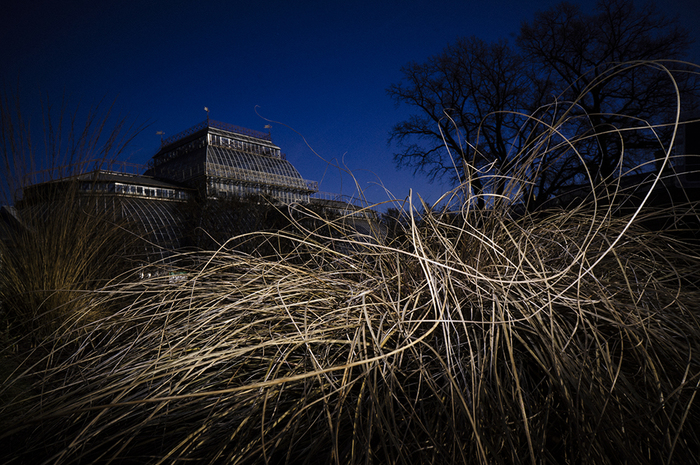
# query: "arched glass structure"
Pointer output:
{"type": "Point", "coordinates": [157, 226]}
{"type": "Point", "coordinates": [160, 223]}
{"type": "Point", "coordinates": [197, 182]}
{"type": "Point", "coordinates": [253, 169]}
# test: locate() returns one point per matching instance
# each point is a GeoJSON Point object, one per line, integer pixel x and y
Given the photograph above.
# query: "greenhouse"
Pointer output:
{"type": "Point", "coordinates": [207, 169]}
{"type": "Point", "coordinates": [223, 161]}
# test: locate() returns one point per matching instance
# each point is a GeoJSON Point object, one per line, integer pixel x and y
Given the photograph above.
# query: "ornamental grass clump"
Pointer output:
{"type": "Point", "coordinates": [60, 242]}
{"type": "Point", "coordinates": [561, 337]}
{"type": "Point", "coordinates": [480, 332]}
{"type": "Point", "coordinates": [62, 250]}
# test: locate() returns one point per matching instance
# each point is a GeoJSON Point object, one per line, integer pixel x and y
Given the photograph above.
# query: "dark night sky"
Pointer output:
{"type": "Point", "coordinates": [320, 68]}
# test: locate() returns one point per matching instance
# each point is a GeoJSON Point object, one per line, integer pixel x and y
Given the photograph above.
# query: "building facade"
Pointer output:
{"type": "Point", "coordinates": [213, 180]}
{"type": "Point", "coordinates": [222, 161]}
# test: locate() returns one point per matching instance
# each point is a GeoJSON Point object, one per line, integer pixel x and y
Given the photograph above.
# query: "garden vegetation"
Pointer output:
{"type": "Point", "coordinates": [478, 331]}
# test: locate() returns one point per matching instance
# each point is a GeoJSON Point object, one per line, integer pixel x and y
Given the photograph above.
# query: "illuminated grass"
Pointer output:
{"type": "Point", "coordinates": [559, 336]}
{"type": "Point", "coordinates": [519, 348]}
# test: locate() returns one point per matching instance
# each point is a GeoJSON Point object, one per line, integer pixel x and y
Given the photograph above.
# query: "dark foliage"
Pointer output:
{"type": "Point", "coordinates": [481, 109]}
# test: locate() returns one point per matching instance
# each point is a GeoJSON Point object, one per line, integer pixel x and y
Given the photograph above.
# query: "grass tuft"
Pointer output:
{"type": "Point", "coordinates": [527, 340]}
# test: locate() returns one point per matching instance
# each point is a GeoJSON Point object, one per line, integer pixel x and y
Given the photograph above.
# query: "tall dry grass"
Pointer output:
{"type": "Point", "coordinates": [473, 336]}
{"type": "Point", "coordinates": [558, 338]}
{"type": "Point", "coordinates": [62, 243]}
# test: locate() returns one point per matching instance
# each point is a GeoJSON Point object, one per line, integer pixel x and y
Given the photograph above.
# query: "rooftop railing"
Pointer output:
{"type": "Point", "coordinates": [312, 185]}
{"type": "Point", "coordinates": [62, 172]}
{"type": "Point", "coordinates": [359, 203]}
{"type": "Point", "coordinates": [217, 125]}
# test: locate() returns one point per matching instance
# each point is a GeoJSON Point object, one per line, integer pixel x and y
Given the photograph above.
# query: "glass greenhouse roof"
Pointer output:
{"type": "Point", "coordinates": [158, 220]}
{"type": "Point", "coordinates": [247, 167]}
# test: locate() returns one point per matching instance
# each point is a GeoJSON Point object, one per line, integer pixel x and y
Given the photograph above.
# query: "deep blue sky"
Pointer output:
{"type": "Point", "coordinates": [320, 68]}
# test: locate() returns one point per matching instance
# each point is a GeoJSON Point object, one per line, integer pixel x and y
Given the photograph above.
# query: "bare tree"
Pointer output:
{"type": "Point", "coordinates": [607, 63]}
{"type": "Point", "coordinates": [468, 98]}
{"type": "Point", "coordinates": [588, 76]}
